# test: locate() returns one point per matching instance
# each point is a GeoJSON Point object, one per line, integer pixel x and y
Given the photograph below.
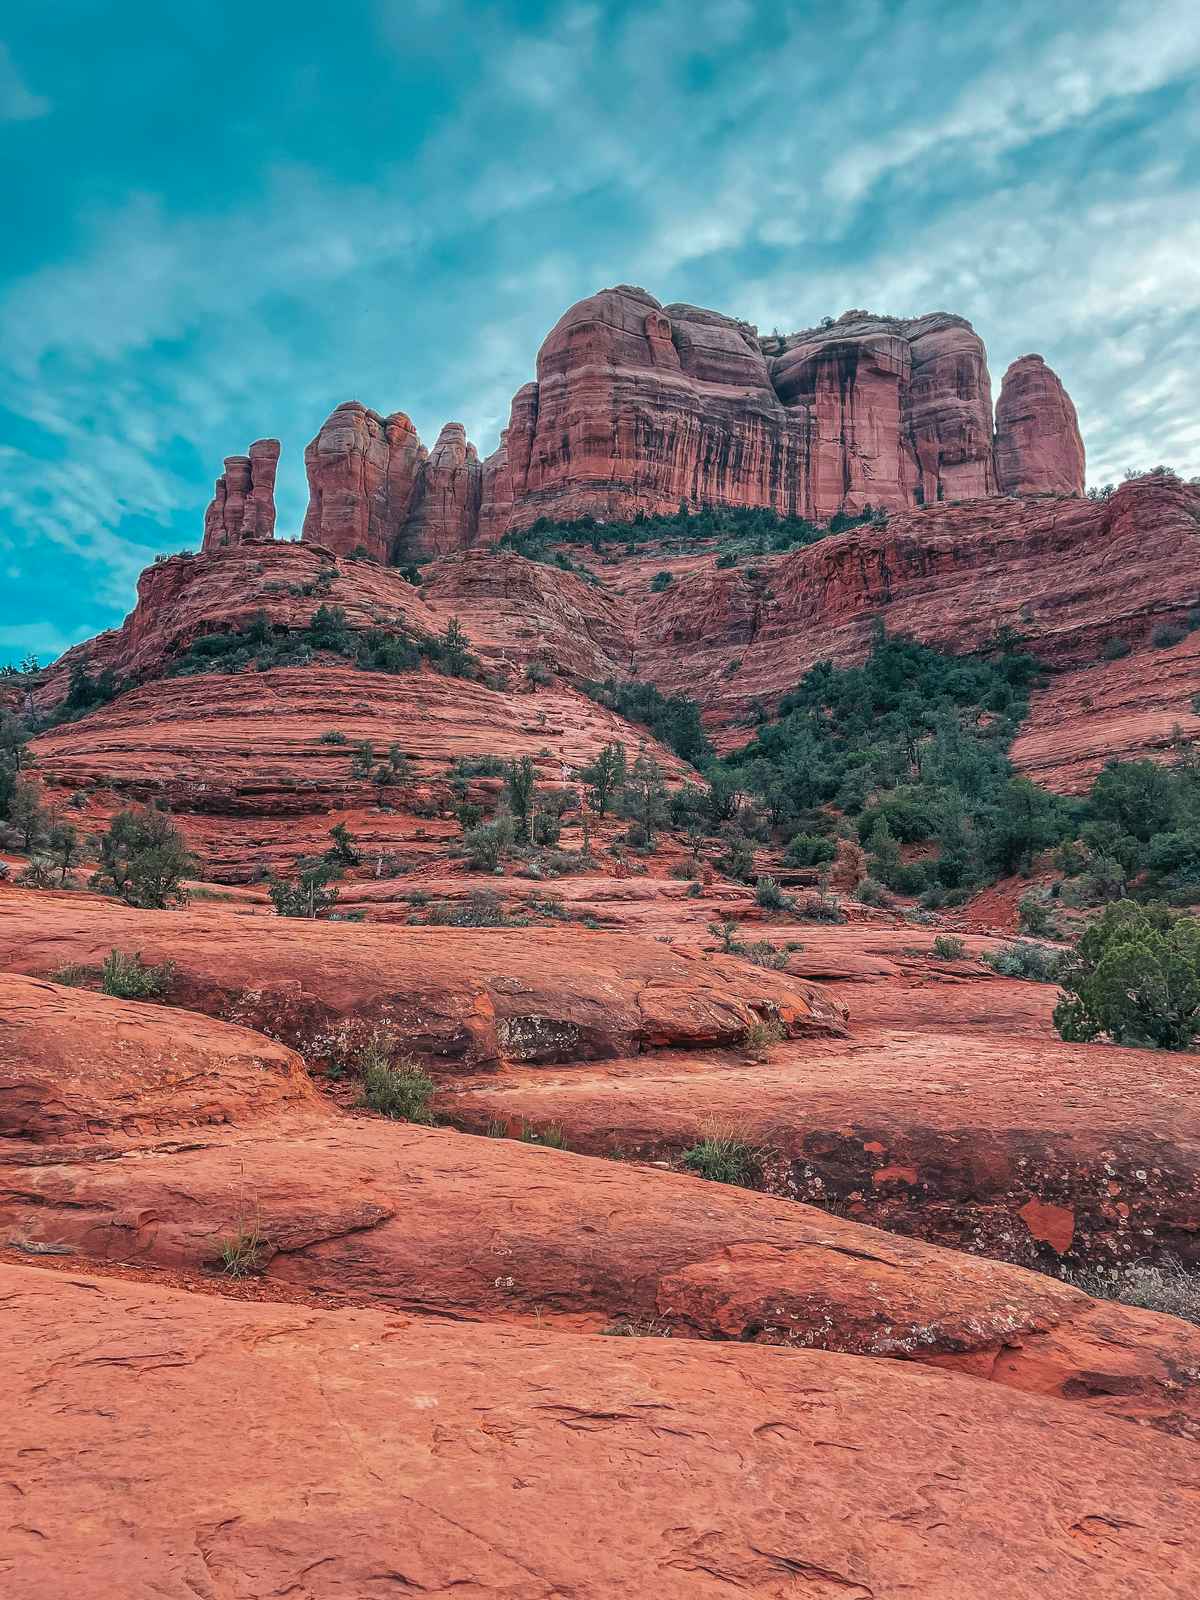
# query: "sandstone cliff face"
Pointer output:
{"type": "Point", "coordinates": [362, 474]}
{"type": "Point", "coordinates": [243, 503]}
{"type": "Point", "coordinates": [1038, 447]}
{"type": "Point", "coordinates": [639, 406]}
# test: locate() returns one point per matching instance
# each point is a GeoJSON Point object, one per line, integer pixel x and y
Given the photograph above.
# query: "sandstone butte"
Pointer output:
{"type": "Point", "coordinates": [864, 1378]}
{"type": "Point", "coordinates": [641, 407]}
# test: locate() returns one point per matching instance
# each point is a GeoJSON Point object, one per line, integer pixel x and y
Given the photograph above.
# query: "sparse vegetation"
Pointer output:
{"type": "Point", "coordinates": [394, 1087]}
{"type": "Point", "coordinates": [946, 947]}
{"type": "Point", "coordinates": [143, 859]}
{"type": "Point", "coordinates": [128, 977]}
{"type": "Point", "coordinates": [1020, 959]}
{"type": "Point", "coordinates": [1166, 1286]}
{"type": "Point", "coordinates": [240, 1254]}
{"type": "Point", "coordinates": [1134, 978]}
{"type": "Point", "coordinates": [724, 1156]}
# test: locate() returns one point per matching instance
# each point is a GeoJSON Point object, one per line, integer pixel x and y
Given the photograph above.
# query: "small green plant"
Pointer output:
{"type": "Point", "coordinates": [397, 1089]}
{"type": "Point", "coordinates": [660, 581]}
{"type": "Point", "coordinates": [71, 976]}
{"type": "Point", "coordinates": [1035, 918]}
{"type": "Point", "coordinates": [724, 1156]}
{"type": "Point", "coordinates": [552, 1136]}
{"type": "Point", "coordinates": [333, 736]}
{"type": "Point", "coordinates": [1023, 960]}
{"type": "Point", "coordinates": [240, 1254]}
{"type": "Point", "coordinates": [771, 897]}
{"type": "Point", "coordinates": [1114, 649]}
{"type": "Point", "coordinates": [129, 978]}
{"type": "Point", "coordinates": [762, 953]}
{"type": "Point", "coordinates": [1169, 634]}
{"type": "Point", "coordinates": [948, 948]}
{"type": "Point", "coordinates": [760, 1036]}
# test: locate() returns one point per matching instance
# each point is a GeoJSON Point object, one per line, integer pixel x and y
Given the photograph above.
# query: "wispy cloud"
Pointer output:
{"type": "Point", "coordinates": [18, 102]}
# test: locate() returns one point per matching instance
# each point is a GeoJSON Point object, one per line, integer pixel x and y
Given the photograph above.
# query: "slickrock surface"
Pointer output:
{"type": "Point", "coordinates": [243, 503]}
{"type": "Point", "coordinates": [471, 996]}
{"type": "Point", "coordinates": [352, 1453]}
{"type": "Point", "coordinates": [251, 742]}
{"type": "Point", "coordinates": [76, 1067]}
{"type": "Point", "coordinates": [517, 611]}
{"type": "Point", "coordinates": [999, 1139]}
{"type": "Point", "coordinates": [1038, 447]}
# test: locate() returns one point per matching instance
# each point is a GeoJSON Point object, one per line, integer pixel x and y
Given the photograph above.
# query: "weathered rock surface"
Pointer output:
{"type": "Point", "coordinates": [465, 996]}
{"type": "Point", "coordinates": [1038, 446]}
{"type": "Point", "coordinates": [445, 516]}
{"type": "Point", "coordinates": [363, 471]}
{"type": "Point", "coordinates": [370, 1453]}
{"type": "Point", "coordinates": [222, 590]}
{"type": "Point", "coordinates": [243, 503]}
{"type": "Point", "coordinates": [952, 1114]}
{"type": "Point", "coordinates": [76, 1067]}
{"type": "Point", "coordinates": [1066, 575]}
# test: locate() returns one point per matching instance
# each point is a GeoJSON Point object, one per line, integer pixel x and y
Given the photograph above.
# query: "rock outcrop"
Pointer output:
{"type": "Point", "coordinates": [243, 503]}
{"type": "Point", "coordinates": [371, 1455]}
{"type": "Point", "coordinates": [1038, 446]}
{"type": "Point", "coordinates": [362, 478]}
{"type": "Point", "coordinates": [641, 407]}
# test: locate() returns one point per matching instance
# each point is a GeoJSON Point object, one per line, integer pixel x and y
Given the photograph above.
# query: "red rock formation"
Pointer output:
{"type": "Point", "coordinates": [639, 406]}
{"type": "Point", "coordinates": [556, 995]}
{"type": "Point", "coordinates": [445, 510]}
{"type": "Point", "coordinates": [774, 1473]}
{"type": "Point", "coordinates": [1038, 446]}
{"type": "Point", "coordinates": [243, 503]}
{"type": "Point", "coordinates": [1065, 574]}
{"type": "Point", "coordinates": [224, 589]}
{"type": "Point", "coordinates": [362, 477]}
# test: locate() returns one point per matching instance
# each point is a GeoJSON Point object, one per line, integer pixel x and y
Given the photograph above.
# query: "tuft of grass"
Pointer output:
{"type": "Point", "coordinates": [724, 1156]}
{"type": "Point", "coordinates": [638, 1328]}
{"type": "Point", "coordinates": [946, 947]}
{"type": "Point", "coordinates": [129, 978]}
{"type": "Point", "coordinates": [1168, 1286]}
{"type": "Point", "coordinates": [240, 1254]}
{"type": "Point", "coordinates": [552, 1136]}
{"type": "Point", "coordinates": [760, 1036]}
{"type": "Point", "coordinates": [496, 1129]}
{"type": "Point", "coordinates": [397, 1089]}
{"type": "Point", "coordinates": [71, 976]}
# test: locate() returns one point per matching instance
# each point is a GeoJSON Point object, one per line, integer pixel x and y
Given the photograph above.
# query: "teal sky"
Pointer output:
{"type": "Point", "coordinates": [223, 220]}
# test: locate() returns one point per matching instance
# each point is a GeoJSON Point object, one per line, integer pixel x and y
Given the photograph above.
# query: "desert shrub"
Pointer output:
{"type": "Point", "coordinates": [1022, 960]}
{"type": "Point", "coordinates": [72, 976]}
{"type": "Point", "coordinates": [738, 858]}
{"type": "Point", "coordinates": [1167, 635]}
{"type": "Point", "coordinates": [478, 767]}
{"type": "Point", "coordinates": [143, 859]}
{"type": "Point", "coordinates": [486, 845]}
{"type": "Point", "coordinates": [1114, 649]}
{"type": "Point", "coordinates": [308, 894]}
{"type": "Point", "coordinates": [724, 1157]}
{"type": "Point", "coordinates": [606, 776]}
{"type": "Point", "coordinates": [333, 736]}
{"type": "Point", "coordinates": [1135, 979]}
{"type": "Point", "coordinates": [809, 850]}
{"type": "Point", "coordinates": [760, 1036]}
{"type": "Point", "coordinates": [396, 1088]}
{"type": "Point", "coordinates": [673, 719]}
{"type": "Point", "coordinates": [660, 581]}
{"type": "Point", "coordinates": [1166, 1286]}
{"type": "Point", "coordinates": [344, 851]}
{"type": "Point", "coordinates": [820, 908]}
{"type": "Point", "coordinates": [771, 897]}
{"type": "Point", "coordinates": [946, 947]}
{"type": "Point", "coordinates": [1034, 918]}
{"type": "Point", "coordinates": [129, 978]}
{"type": "Point", "coordinates": [762, 953]}
{"type": "Point", "coordinates": [539, 674]}
{"type": "Point", "coordinates": [550, 1135]}
{"type": "Point", "coordinates": [870, 892]}
{"type": "Point", "coordinates": [480, 909]}
{"type": "Point", "coordinates": [39, 873]}
{"type": "Point", "coordinates": [546, 829]}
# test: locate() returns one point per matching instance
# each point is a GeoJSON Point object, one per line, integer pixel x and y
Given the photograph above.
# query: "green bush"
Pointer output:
{"type": "Point", "coordinates": [660, 581]}
{"type": "Point", "coordinates": [143, 859]}
{"type": "Point", "coordinates": [948, 948]}
{"type": "Point", "coordinates": [771, 897]}
{"type": "Point", "coordinates": [809, 850]}
{"type": "Point", "coordinates": [129, 978]}
{"type": "Point", "coordinates": [1167, 635]}
{"type": "Point", "coordinates": [724, 1158]}
{"type": "Point", "coordinates": [1022, 960]}
{"type": "Point", "coordinates": [1114, 649]}
{"type": "Point", "coordinates": [1135, 979]}
{"type": "Point", "coordinates": [397, 1089]}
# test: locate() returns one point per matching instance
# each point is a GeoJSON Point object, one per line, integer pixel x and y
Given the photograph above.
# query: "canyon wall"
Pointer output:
{"type": "Point", "coordinates": [639, 407]}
